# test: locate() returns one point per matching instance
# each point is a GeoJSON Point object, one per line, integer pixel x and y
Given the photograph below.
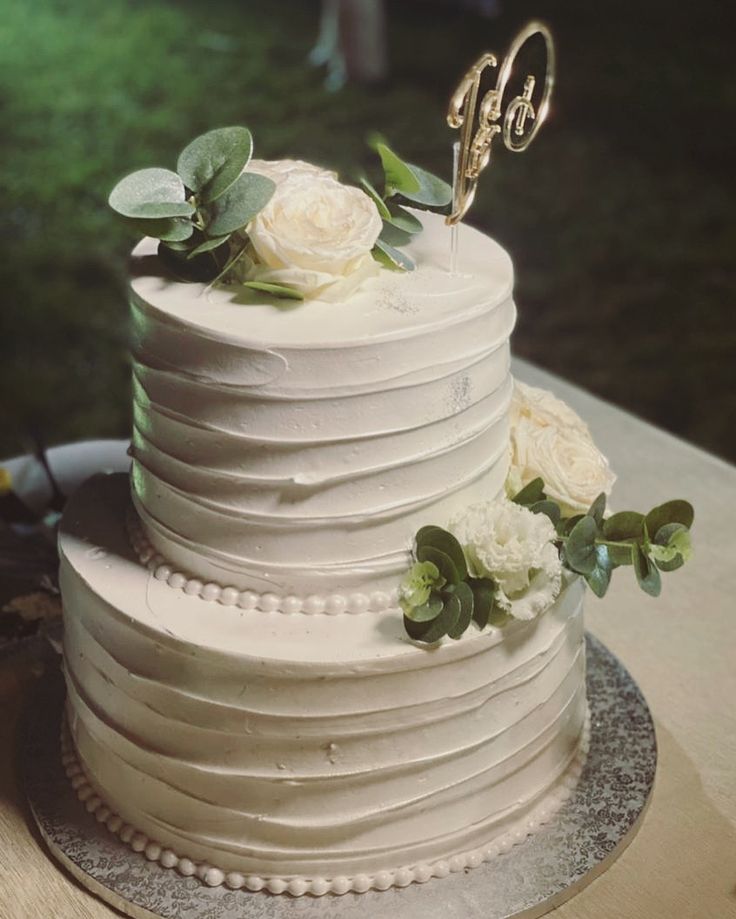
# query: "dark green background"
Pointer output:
{"type": "Point", "coordinates": [618, 218]}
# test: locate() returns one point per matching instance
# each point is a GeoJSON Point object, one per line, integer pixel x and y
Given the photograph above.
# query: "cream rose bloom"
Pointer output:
{"type": "Point", "coordinates": [544, 408]}
{"type": "Point", "coordinates": [514, 547]}
{"type": "Point", "coordinates": [278, 170]}
{"type": "Point", "coordinates": [549, 440]}
{"type": "Point", "coordinates": [314, 234]}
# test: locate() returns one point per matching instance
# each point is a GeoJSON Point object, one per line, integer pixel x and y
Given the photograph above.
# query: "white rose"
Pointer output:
{"type": "Point", "coordinates": [549, 440]}
{"type": "Point", "coordinates": [543, 408]}
{"type": "Point", "coordinates": [514, 547]}
{"type": "Point", "coordinates": [314, 234]}
{"type": "Point", "coordinates": [278, 170]}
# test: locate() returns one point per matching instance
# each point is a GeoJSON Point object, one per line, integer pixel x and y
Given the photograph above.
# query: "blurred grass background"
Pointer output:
{"type": "Point", "coordinates": [618, 218]}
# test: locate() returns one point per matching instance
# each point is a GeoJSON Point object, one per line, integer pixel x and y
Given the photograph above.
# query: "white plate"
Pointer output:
{"type": "Point", "coordinates": [71, 464]}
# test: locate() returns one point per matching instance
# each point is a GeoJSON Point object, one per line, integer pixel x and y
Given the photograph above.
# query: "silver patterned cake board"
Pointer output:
{"type": "Point", "coordinates": [587, 835]}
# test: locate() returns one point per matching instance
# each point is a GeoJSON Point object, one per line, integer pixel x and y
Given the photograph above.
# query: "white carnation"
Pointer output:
{"type": "Point", "coordinates": [549, 440]}
{"type": "Point", "coordinates": [314, 234]}
{"type": "Point", "coordinates": [514, 547]}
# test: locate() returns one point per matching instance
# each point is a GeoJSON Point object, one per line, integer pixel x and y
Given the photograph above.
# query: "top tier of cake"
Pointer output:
{"type": "Point", "coordinates": [296, 448]}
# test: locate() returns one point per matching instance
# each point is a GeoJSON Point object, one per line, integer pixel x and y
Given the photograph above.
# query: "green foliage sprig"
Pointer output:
{"type": "Point", "coordinates": [439, 596]}
{"type": "Point", "coordinates": [408, 183]}
{"type": "Point", "coordinates": [594, 545]}
{"type": "Point", "coordinates": [194, 211]}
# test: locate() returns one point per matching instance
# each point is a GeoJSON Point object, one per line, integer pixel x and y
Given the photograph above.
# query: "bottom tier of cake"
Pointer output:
{"type": "Point", "coordinates": [305, 753]}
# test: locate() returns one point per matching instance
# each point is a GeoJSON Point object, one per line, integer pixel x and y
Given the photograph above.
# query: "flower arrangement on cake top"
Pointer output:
{"type": "Point", "coordinates": [286, 228]}
{"type": "Point", "coordinates": [291, 229]}
{"type": "Point", "coordinates": [508, 558]}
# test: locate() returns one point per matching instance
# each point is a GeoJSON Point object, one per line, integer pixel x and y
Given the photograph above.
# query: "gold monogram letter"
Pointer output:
{"type": "Point", "coordinates": [479, 122]}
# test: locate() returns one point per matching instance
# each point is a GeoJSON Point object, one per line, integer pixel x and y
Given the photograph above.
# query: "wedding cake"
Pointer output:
{"type": "Point", "coordinates": [311, 646]}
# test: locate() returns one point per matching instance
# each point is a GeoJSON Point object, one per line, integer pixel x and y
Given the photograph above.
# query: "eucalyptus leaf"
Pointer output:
{"type": "Point", "coordinates": [399, 176]}
{"type": "Point", "coordinates": [394, 236]}
{"type": "Point", "coordinates": [445, 565]}
{"type": "Point", "coordinates": [211, 163]}
{"type": "Point", "coordinates": [624, 525]}
{"type": "Point", "coordinates": [671, 547]}
{"type": "Point", "coordinates": [676, 511]}
{"type": "Point", "coordinates": [620, 555]}
{"type": "Point", "coordinates": [391, 257]}
{"type": "Point", "coordinates": [645, 541]}
{"type": "Point", "coordinates": [600, 577]}
{"type": "Point", "coordinates": [567, 524]}
{"type": "Point", "coordinates": [437, 538]}
{"type": "Point", "coordinates": [646, 573]}
{"type": "Point", "coordinates": [598, 509]}
{"type": "Point", "coordinates": [435, 629]}
{"type": "Point", "coordinates": [464, 595]}
{"type": "Point", "coordinates": [483, 595]}
{"type": "Point", "coordinates": [385, 260]}
{"type": "Point", "coordinates": [680, 540]}
{"type": "Point", "coordinates": [433, 191]}
{"type": "Point", "coordinates": [531, 493]}
{"type": "Point", "coordinates": [426, 534]}
{"type": "Point", "coordinates": [671, 534]}
{"type": "Point", "coordinates": [248, 195]}
{"type": "Point", "coordinates": [410, 181]}
{"type": "Point", "coordinates": [669, 565]}
{"type": "Point", "coordinates": [167, 229]}
{"type": "Point", "coordinates": [184, 245]}
{"type": "Point", "coordinates": [549, 509]}
{"type": "Point", "coordinates": [662, 553]}
{"type": "Point", "coordinates": [376, 197]}
{"type": "Point", "coordinates": [580, 548]}
{"type": "Point", "coordinates": [208, 245]}
{"type": "Point", "coordinates": [417, 630]}
{"type": "Point", "coordinates": [404, 220]}
{"type": "Point", "coordinates": [427, 611]}
{"type": "Point", "coordinates": [450, 617]}
{"type": "Point", "coordinates": [276, 290]}
{"type": "Point", "coordinates": [150, 194]}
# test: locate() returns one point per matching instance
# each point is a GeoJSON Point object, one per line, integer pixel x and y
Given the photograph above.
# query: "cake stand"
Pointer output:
{"type": "Point", "coordinates": [585, 837]}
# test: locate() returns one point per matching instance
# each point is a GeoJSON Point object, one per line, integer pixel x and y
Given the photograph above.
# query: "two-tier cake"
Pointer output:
{"type": "Point", "coordinates": [243, 700]}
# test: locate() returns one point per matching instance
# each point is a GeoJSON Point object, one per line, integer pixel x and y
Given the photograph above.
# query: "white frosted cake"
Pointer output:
{"type": "Point", "coordinates": [244, 702]}
{"type": "Point", "coordinates": [295, 449]}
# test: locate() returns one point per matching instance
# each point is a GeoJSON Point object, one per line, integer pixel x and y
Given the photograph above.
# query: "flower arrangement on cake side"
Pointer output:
{"type": "Point", "coordinates": [509, 558]}
{"type": "Point", "coordinates": [286, 228]}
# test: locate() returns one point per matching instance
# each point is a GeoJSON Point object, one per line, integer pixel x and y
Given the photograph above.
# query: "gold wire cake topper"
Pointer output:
{"type": "Point", "coordinates": [519, 123]}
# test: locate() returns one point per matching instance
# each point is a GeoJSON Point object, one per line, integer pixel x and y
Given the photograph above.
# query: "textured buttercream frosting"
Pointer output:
{"type": "Point", "coordinates": [283, 458]}
{"type": "Point", "coordinates": [297, 448]}
{"type": "Point", "coordinates": [275, 745]}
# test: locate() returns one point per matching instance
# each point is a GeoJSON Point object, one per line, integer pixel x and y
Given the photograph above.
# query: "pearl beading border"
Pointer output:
{"type": "Point", "coordinates": [297, 887]}
{"type": "Point", "coordinates": [315, 604]}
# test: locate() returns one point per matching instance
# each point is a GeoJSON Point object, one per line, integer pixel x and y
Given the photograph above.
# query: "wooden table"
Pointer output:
{"type": "Point", "coordinates": [681, 649]}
